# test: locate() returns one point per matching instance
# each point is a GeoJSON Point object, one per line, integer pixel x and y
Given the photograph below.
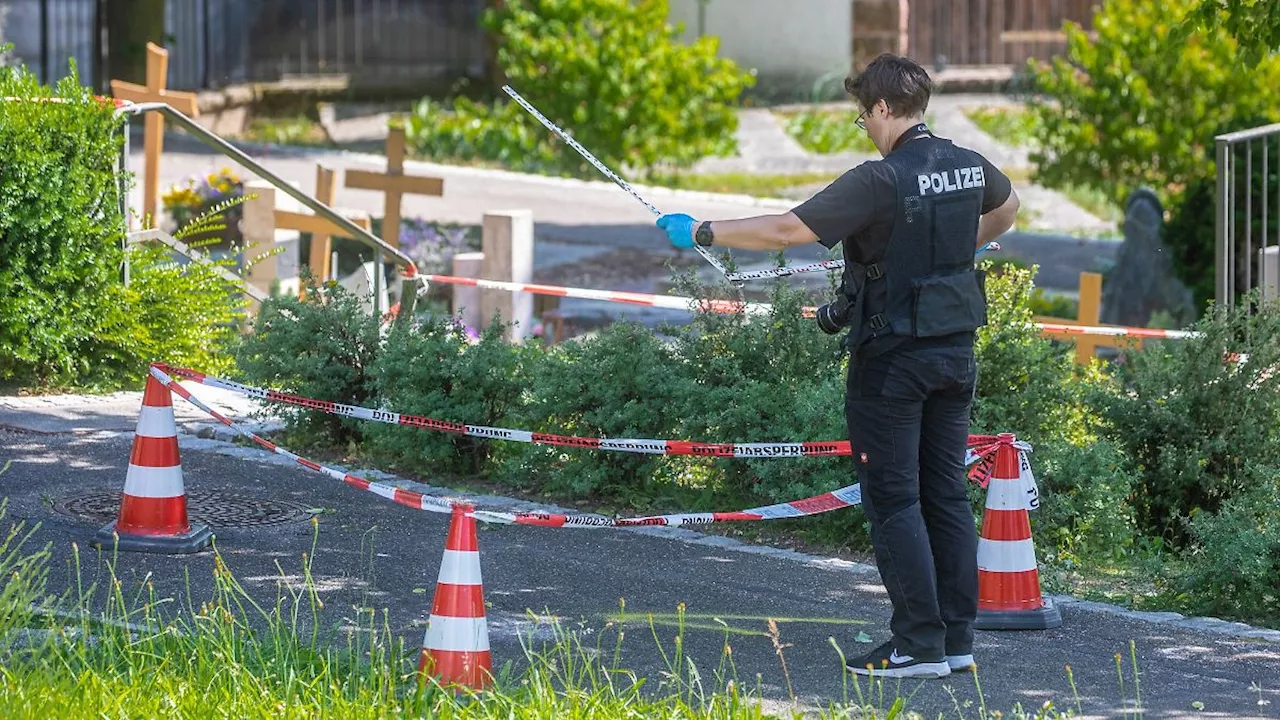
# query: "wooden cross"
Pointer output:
{"type": "Point", "coordinates": [395, 184]}
{"type": "Point", "coordinates": [1089, 314]}
{"type": "Point", "coordinates": [154, 91]}
{"type": "Point", "coordinates": [321, 229]}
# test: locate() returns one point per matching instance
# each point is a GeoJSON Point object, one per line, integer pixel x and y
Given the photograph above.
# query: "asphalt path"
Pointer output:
{"type": "Point", "coordinates": [374, 554]}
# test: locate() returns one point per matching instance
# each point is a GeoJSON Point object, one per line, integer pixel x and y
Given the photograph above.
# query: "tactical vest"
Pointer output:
{"type": "Point", "coordinates": [925, 286]}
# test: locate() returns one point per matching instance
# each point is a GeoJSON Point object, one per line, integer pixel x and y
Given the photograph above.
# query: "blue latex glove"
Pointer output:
{"type": "Point", "coordinates": [679, 229]}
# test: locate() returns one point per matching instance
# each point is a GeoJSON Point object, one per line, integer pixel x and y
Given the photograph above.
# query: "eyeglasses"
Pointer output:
{"type": "Point", "coordinates": [861, 122]}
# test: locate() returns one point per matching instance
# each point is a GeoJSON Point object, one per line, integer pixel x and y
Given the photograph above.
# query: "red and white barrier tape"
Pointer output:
{"type": "Point", "coordinates": [844, 497]}
{"type": "Point", "coordinates": [679, 302]}
{"type": "Point", "coordinates": [670, 302]}
{"type": "Point", "coordinates": [1151, 333]}
{"type": "Point", "coordinates": [644, 446]}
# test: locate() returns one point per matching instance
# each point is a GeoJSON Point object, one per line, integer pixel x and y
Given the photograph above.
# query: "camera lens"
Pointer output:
{"type": "Point", "coordinates": [833, 316]}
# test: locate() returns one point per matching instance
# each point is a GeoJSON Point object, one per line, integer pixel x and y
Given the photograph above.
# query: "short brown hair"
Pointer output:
{"type": "Point", "coordinates": [900, 82]}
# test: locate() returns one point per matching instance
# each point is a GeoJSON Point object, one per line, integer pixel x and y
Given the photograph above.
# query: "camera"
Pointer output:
{"type": "Point", "coordinates": [834, 316]}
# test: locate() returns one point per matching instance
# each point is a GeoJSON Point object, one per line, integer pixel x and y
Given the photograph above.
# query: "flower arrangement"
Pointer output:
{"type": "Point", "coordinates": [432, 245]}
{"type": "Point", "coordinates": [199, 193]}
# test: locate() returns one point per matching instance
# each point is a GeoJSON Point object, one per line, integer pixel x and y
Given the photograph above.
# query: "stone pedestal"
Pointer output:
{"type": "Point", "coordinates": [466, 299]}
{"type": "Point", "coordinates": [507, 245]}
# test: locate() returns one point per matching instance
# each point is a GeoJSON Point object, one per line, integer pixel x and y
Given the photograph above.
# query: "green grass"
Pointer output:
{"type": "Point", "coordinates": [826, 131]}
{"type": "Point", "coordinates": [1011, 125]}
{"type": "Point", "coordinates": [1095, 202]}
{"type": "Point", "coordinates": [291, 130]}
{"type": "Point", "coordinates": [742, 183]}
{"type": "Point", "coordinates": [233, 657]}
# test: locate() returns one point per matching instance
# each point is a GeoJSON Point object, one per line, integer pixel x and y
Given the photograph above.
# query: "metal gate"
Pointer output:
{"type": "Point", "coordinates": [1247, 254]}
{"type": "Point", "coordinates": [991, 32]}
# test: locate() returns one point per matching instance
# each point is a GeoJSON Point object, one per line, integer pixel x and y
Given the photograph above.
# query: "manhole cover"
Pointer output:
{"type": "Point", "coordinates": [215, 509]}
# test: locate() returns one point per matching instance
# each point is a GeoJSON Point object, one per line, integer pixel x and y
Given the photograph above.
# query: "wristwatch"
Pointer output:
{"type": "Point", "coordinates": [704, 236]}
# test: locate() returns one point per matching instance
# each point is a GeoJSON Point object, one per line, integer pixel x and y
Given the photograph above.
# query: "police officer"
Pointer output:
{"type": "Point", "coordinates": [911, 300]}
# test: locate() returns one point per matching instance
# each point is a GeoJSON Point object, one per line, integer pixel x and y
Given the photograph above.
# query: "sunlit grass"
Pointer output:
{"type": "Point", "coordinates": [1010, 124]}
{"type": "Point", "coordinates": [106, 650]}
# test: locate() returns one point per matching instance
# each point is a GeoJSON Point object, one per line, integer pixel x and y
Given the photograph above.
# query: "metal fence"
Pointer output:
{"type": "Point", "coordinates": [374, 41]}
{"type": "Point", "coordinates": [215, 43]}
{"type": "Point", "coordinates": [46, 34]}
{"type": "Point", "coordinates": [1247, 224]}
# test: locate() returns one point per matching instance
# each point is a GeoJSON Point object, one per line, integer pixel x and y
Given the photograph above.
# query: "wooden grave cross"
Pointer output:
{"type": "Point", "coordinates": [154, 91]}
{"type": "Point", "coordinates": [394, 184]}
{"type": "Point", "coordinates": [321, 229]}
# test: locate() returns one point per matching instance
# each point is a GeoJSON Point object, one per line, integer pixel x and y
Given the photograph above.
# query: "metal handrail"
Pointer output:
{"type": "Point", "coordinates": [410, 285]}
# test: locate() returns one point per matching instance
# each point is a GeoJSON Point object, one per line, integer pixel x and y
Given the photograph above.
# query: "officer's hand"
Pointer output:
{"type": "Point", "coordinates": [679, 229]}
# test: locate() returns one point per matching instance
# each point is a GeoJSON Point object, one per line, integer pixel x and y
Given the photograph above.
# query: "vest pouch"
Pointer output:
{"type": "Point", "coordinates": [948, 304]}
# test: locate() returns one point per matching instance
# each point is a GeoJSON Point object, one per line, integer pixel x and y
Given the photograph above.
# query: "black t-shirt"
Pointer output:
{"type": "Point", "coordinates": [860, 206]}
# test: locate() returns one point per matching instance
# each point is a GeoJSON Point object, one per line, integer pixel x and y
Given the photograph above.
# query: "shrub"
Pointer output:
{"type": "Point", "coordinates": [61, 229]}
{"type": "Point", "coordinates": [1027, 384]}
{"type": "Point", "coordinates": [773, 377]}
{"type": "Point", "coordinates": [324, 347]}
{"type": "Point", "coordinates": [1199, 427]}
{"type": "Point", "coordinates": [1084, 511]}
{"type": "Point", "coordinates": [181, 313]}
{"type": "Point", "coordinates": [431, 369]}
{"type": "Point", "coordinates": [1135, 108]}
{"type": "Point", "coordinates": [624, 86]}
{"type": "Point", "coordinates": [1234, 562]}
{"type": "Point", "coordinates": [623, 383]}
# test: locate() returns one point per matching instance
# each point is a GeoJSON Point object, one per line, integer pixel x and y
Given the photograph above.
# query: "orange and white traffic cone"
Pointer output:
{"type": "Point", "coordinates": [1008, 579]}
{"type": "Point", "coordinates": [456, 647]}
{"type": "Point", "coordinates": [153, 510]}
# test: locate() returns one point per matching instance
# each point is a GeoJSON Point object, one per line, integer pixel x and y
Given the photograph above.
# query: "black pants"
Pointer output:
{"type": "Point", "coordinates": [908, 416]}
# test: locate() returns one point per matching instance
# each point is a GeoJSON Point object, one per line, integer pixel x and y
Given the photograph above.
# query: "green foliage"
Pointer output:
{"type": "Point", "coordinates": [624, 86]}
{"type": "Point", "coordinates": [1234, 562]}
{"type": "Point", "coordinates": [181, 313]}
{"type": "Point", "coordinates": [771, 377]}
{"type": "Point", "coordinates": [1199, 427]}
{"type": "Point", "coordinates": [828, 132]}
{"type": "Point", "coordinates": [1255, 24]}
{"type": "Point", "coordinates": [323, 347]}
{"type": "Point", "coordinates": [1084, 512]}
{"type": "Point", "coordinates": [1011, 125]}
{"type": "Point", "coordinates": [61, 230]}
{"type": "Point", "coordinates": [1135, 108]}
{"type": "Point", "coordinates": [622, 383]}
{"type": "Point", "coordinates": [430, 369]}
{"type": "Point", "coordinates": [1026, 383]}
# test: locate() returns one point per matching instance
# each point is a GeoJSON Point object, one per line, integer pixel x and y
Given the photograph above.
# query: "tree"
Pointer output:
{"type": "Point", "coordinates": [1135, 107]}
{"type": "Point", "coordinates": [131, 24]}
{"type": "Point", "coordinates": [1255, 24]}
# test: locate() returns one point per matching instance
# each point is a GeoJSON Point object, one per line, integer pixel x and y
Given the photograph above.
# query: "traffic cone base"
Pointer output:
{"type": "Point", "coordinates": [1045, 617]}
{"type": "Point", "coordinates": [153, 509]}
{"type": "Point", "coordinates": [456, 648]}
{"type": "Point", "coordinates": [194, 540]}
{"type": "Point", "coordinates": [1009, 595]}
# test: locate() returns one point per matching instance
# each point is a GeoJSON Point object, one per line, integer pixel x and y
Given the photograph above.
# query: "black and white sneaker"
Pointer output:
{"type": "Point", "coordinates": [961, 663]}
{"type": "Point", "coordinates": [885, 661]}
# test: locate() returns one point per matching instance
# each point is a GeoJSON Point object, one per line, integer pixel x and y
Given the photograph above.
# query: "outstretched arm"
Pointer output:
{"type": "Point", "coordinates": [764, 232]}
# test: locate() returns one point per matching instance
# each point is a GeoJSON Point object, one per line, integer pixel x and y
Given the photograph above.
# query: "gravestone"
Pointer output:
{"type": "Point", "coordinates": [1143, 281]}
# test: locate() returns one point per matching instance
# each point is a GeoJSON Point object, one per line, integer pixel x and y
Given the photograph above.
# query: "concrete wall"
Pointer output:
{"type": "Point", "coordinates": [786, 41]}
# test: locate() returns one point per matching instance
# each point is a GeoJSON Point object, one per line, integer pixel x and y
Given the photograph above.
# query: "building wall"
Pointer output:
{"type": "Point", "coordinates": [786, 41]}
